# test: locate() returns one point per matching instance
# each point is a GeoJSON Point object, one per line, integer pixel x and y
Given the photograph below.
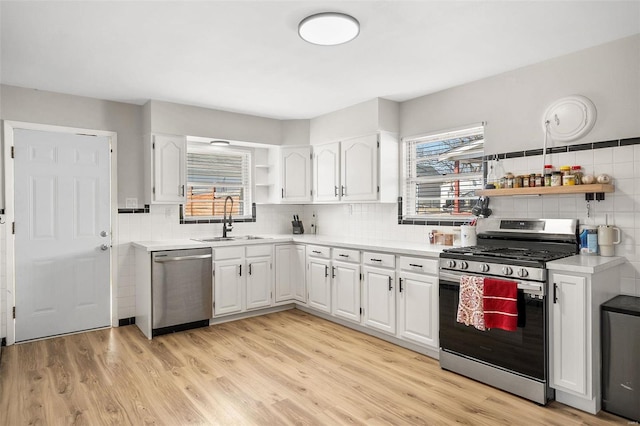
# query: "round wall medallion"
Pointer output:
{"type": "Point", "coordinates": [570, 118]}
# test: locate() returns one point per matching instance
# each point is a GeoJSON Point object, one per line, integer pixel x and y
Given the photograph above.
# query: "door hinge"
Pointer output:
{"type": "Point", "coordinates": [214, 304]}
{"type": "Point", "coordinates": [153, 190]}
{"type": "Point", "coordinates": [311, 155]}
{"type": "Point", "coordinates": [14, 312]}
{"type": "Point", "coordinates": [13, 228]}
{"type": "Point", "coordinates": [378, 188]}
{"type": "Point", "coordinates": [153, 145]}
{"type": "Point", "coordinates": [361, 311]}
{"type": "Point", "coordinates": [361, 278]}
{"type": "Point", "coordinates": [13, 152]}
{"type": "Point", "coordinates": [311, 192]}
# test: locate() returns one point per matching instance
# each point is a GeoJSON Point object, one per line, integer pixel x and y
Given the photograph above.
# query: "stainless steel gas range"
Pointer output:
{"type": "Point", "coordinates": [514, 250]}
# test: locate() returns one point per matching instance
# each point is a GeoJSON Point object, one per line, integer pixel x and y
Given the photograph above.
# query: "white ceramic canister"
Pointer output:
{"type": "Point", "coordinates": [608, 236]}
{"type": "Point", "coordinates": [468, 236]}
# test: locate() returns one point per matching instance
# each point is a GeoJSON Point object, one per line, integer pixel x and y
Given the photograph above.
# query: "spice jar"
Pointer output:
{"type": "Point", "coordinates": [556, 179]}
{"type": "Point", "coordinates": [510, 180]}
{"type": "Point", "coordinates": [576, 171]}
{"type": "Point", "coordinates": [568, 179]}
{"type": "Point", "coordinates": [517, 181]}
{"type": "Point", "coordinates": [539, 180]}
{"type": "Point", "coordinates": [547, 179]}
{"type": "Point", "coordinates": [532, 179]}
{"type": "Point", "coordinates": [525, 181]}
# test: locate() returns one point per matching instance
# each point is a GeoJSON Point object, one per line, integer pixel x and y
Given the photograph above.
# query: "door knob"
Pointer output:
{"type": "Point", "coordinates": [104, 247]}
{"type": "Point", "coordinates": [103, 233]}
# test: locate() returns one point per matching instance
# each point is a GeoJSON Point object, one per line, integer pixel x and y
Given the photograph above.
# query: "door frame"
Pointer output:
{"type": "Point", "coordinates": [9, 193]}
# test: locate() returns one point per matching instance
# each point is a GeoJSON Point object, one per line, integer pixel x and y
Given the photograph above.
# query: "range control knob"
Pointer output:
{"type": "Point", "coordinates": [507, 270]}
{"type": "Point", "coordinates": [451, 264]}
{"type": "Point", "coordinates": [464, 265]}
{"type": "Point", "coordinates": [522, 272]}
{"type": "Point", "coordinates": [484, 267]}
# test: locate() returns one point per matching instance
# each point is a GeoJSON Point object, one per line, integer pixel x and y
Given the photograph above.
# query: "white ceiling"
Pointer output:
{"type": "Point", "coordinates": [246, 56]}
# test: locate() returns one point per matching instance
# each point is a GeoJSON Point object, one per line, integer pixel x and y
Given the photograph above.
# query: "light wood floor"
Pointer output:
{"type": "Point", "coordinates": [283, 368]}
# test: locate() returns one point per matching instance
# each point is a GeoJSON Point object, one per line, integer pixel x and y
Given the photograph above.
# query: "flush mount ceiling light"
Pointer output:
{"type": "Point", "coordinates": [219, 143]}
{"type": "Point", "coordinates": [329, 28]}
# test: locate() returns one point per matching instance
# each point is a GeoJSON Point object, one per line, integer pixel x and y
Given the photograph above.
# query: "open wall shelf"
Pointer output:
{"type": "Point", "coordinates": [596, 188]}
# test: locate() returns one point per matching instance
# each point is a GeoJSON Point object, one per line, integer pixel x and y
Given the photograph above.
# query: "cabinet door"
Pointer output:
{"type": "Point", "coordinates": [326, 166]}
{"type": "Point", "coordinates": [258, 282]}
{"type": "Point", "coordinates": [284, 265]}
{"type": "Point", "coordinates": [319, 284]}
{"type": "Point", "coordinates": [296, 174]}
{"type": "Point", "coordinates": [359, 169]}
{"type": "Point", "coordinates": [569, 333]}
{"type": "Point", "coordinates": [379, 299]}
{"type": "Point", "coordinates": [346, 290]}
{"type": "Point", "coordinates": [227, 287]}
{"type": "Point", "coordinates": [298, 276]}
{"type": "Point", "coordinates": [169, 166]}
{"type": "Point", "coordinates": [418, 308]}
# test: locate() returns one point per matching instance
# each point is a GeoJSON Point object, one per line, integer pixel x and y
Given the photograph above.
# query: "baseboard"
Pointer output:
{"type": "Point", "coordinates": [126, 321]}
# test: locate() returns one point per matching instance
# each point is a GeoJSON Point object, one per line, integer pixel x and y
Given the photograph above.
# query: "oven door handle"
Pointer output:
{"type": "Point", "coordinates": [522, 285]}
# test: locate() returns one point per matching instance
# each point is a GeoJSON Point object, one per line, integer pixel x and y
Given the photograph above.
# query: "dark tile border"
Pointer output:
{"type": "Point", "coordinates": [126, 321]}
{"type": "Point", "coordinates": [142, 210]}
{"type": "Point", "coordinates": [184, 221]}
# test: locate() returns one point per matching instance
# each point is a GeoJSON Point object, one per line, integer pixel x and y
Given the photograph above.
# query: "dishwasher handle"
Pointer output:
{"type": "Point", "coordinates": [178, 258]}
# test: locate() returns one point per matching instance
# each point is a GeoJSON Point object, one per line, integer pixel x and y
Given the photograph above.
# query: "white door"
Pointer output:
{"type": "Point", "coordinates": [418, 304]}
{"type": "Point", "coordinates": [326, 166]}
{"type": "Point", "coordinates": [319, 284]}
{"type": "Point", "coordinates": [296, 174]}
{"type": "Point", "coordinates": [346, 290]}
{"type": "Point", "coordinates": [258, 282]}
{"type": "Point", "coordinates": [227, 287]}
{"type": "Point", "coordinates": [62, 233]}
{"type": "Point", "coordinates": [379, 299]}
{"type": "Point", "coordinates": [169, 169]}
{"type": "Point", "coordinates": [359, 169]}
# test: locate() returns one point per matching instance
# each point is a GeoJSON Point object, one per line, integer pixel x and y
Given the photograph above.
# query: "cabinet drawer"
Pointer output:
{"type": "Point", "coordinates": [419, 265]}
{"type": "Point", "coordinates": [259, 250]}
{"type": "Point", "coordinates": [319, 251]}
{"type": "Point", "coordinates": [379, 259]}
{"type": "Point", "coordinates": [228, 253]}
{"type": "Point", "coordinates": [346, 255]}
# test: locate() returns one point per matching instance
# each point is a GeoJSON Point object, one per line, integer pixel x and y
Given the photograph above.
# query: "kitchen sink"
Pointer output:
{"type": "Point", "coordinates": [239, 237]}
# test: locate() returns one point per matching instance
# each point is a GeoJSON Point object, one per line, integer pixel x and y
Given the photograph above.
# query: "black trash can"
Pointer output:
{"type": "Point", "coordinates": [621, 356]}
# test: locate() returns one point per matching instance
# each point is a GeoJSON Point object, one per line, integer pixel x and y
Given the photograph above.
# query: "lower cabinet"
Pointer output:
{"type": "Point", "coordinates": [574, 326]}
{"type": "Point", "coordinates": [379, 294]}
{"type": "Point", "coordinates": [345, 275]}
{"type": "Point", "coordinates": [418, 301]}
{"type": "Point", "coordinates": [290, 282]}
{"type": "Point", "coordinates": [319, 284]}
{"type": "Point", "coordinates": [242, 279]}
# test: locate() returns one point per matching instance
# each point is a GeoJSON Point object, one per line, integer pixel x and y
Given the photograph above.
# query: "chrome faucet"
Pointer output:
{"type": "Point", "coordinates": [227, 227]}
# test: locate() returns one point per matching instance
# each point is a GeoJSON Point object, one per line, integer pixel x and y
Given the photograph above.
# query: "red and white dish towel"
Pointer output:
{"type": "Point", "coordinates": [470, 310]}
{"type": "Point", "coordinates": [488, 303]}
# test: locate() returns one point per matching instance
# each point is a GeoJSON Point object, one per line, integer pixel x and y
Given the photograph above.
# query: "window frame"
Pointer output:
{"type": "Point", "coordinates": [409, 166]}
{"type": "Point", "coordinates": [248, 202]}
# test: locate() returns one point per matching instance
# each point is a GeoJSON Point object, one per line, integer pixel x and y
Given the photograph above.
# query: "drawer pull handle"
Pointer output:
{"type": "Point", "coordinates": [316, 251]}
{"type": "Point", "coordinates": [390, 281]}
{"type": "Point", "coordinates": [400, 283]}
{"type": "Point", "coordinates": [415, 265]}
{"type": "Point", "coordinates": [376, 260]}
{"type": "Point", "coordinates": [326, 271]}
{"type": "Point", "coordinates": [333, 272]}
{"type": "Point", "coordinates": [343, 255]}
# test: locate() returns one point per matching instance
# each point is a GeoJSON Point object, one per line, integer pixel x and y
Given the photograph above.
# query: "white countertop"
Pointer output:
{"type": "Point", "coordinates": [585, 264]}
{"type": "Point", "coordinates": [400, 247]}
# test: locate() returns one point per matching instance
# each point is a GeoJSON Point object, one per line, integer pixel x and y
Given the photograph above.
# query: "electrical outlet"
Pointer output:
{"type": "Point", "coordinates": [131, 203]}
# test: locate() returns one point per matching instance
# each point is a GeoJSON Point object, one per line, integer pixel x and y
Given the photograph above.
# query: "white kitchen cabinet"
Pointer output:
{"type": "Point", "coordinates": [574, 324]}
{"type": "Point", "coordinates": [290, 273]}
{"type": "Point", "coordinates": [418, 300]}
{"type": "Point", "coordinates": [259, 268]}
{"type": "Point", "coordinates": [168, 169]}
{"type": "Point", "coordinates": [326, 168]}
{"type": "Point", "coordinates": [345, 274]}
{"type": "Point", "coordinates": [359, 169]}
{"type": "Point", "coordinates": [319, 278]}
{"type": "Point", "coordinates": [379, 293]}
{"type": "Point", "coordinates": [295, 174]}
{"type": "Point", "coordinates": [228, 285]}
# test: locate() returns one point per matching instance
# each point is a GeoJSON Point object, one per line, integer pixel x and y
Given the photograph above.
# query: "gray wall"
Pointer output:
{"type": "Point", "coordinates": [42, 107]}
{"type": "Point", "coordinates": [513, 103]}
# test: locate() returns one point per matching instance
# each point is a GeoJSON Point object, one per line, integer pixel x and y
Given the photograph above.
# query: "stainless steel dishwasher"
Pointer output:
{"type": "Point", "coordinates": [181, 286]}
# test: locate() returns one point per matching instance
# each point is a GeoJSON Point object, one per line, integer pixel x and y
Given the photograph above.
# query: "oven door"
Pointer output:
{"type": "Point", "coordinates": [522, 351]}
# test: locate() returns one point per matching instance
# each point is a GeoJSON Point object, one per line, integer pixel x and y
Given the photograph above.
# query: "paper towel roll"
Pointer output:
{"type": "Point", "coordinates": [468, 236]}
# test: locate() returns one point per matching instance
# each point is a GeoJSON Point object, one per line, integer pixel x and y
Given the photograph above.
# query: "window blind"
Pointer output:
{"type": "Point", "coordinates": [442, 172]}
{"type": "Point", "coordinates": [212, 175]}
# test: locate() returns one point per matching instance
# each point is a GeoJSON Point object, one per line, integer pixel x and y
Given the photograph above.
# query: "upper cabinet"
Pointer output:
{"type": "Point", "coordinates": [296, 174]}
{"type": "Point", "coordinates": [167, 169]}
{"type": "Point", "coordinates": [357, 169]}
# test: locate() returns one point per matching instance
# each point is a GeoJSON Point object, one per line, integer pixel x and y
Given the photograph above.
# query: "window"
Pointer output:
{"type": "Point", "coordinates": [214, 173]}
{"type": "Point", "coordinates": [442, 172]}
